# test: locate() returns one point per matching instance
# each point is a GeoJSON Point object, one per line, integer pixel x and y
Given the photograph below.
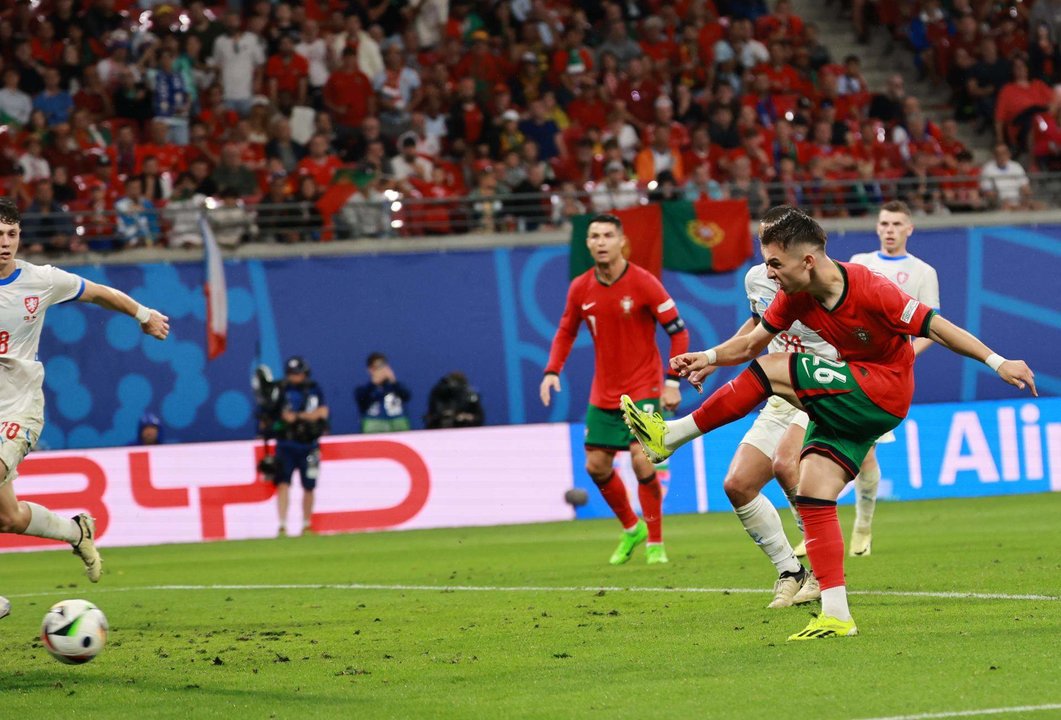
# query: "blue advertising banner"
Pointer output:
{"type": "Point", "coordinates": [945, 450]}
{"type": "Point", "coordinates": [491, 314]}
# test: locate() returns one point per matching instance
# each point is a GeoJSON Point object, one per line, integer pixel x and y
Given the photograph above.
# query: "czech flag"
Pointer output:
{"type": "Point", "coordinates": [216, 294]}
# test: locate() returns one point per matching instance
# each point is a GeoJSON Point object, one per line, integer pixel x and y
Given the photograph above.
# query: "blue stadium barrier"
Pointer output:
{"type": "Point", "coordinates": [489, 313]}
{"type": "Point", "coordinates": [944, 450]}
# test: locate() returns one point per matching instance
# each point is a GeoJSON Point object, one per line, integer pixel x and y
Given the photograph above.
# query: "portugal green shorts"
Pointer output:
{"type": "Point", "coordinates": [606, 429]}
{"type": "Point", "coordinates": [845, 423]}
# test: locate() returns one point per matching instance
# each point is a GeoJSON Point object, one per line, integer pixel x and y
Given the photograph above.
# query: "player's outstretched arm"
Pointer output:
{"type": "Point", "coordinates": [152, 322]}
{"type": "Point", "coordinates": [963, 342]}
{"type": "Point", "coordinates": [740, 348]}
{"type": "Point", "coordinates": [550, 383]}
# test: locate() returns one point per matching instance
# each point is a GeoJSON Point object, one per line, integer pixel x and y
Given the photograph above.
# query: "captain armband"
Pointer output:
{"type": "Point", "coordinates": [675, 326]}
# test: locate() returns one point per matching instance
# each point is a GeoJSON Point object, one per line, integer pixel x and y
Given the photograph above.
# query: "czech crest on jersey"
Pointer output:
{"type": "Point", "coordinates": [902, 277]}
{"type": "Point", "coordinates": [32, 303]}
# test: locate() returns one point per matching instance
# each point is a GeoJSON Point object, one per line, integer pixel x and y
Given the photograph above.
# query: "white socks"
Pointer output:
{"type": "Point", "coordinates": [680, 431]}
{"type": "Point", "coordinates": [866, 484]}
{"type": "Point", "coordinates": [834, 602]}
{"type": "Point", "coordinates": [46, 524]}
{"type": "Point", "coordinates": [763, 525]}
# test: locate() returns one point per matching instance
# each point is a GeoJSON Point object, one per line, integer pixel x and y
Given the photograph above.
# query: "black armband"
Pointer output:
{"type": "Point", "coordinates": [675, 326]}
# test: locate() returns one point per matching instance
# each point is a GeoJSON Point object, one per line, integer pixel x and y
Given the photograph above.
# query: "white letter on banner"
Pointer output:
{"type": "Point", "coordinates": [1033, 443]}
{"type": "Point", "coordinates": [1053, 450]}
{"type": "Point", "coordinates": [913, 452]}
{"type": "Point", "coordinates": [1007, 441]}
{"type": "Point", "coordinates": [965, 426]}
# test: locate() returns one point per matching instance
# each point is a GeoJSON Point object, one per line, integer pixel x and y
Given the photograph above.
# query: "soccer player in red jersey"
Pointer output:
{"type": "Point", "coordinates": [621, 304]}
{"type": "Point", "coordinates": [851, 401]}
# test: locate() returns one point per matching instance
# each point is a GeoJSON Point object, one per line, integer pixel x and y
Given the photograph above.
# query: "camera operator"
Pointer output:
{"type": "Point", "coordinates": [303, 418]}
{"type": "Point", "coordinates": [453, 403]}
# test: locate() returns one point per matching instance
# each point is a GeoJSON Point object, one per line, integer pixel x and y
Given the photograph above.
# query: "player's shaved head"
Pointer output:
{"type": "Point", "coordinates": [9, 213]}
{"type": "Point", "coordinates": [786, 226]}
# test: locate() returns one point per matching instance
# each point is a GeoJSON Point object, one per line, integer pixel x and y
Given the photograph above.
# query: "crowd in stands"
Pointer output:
{"type": "Point", "coordinates": [297, 122]}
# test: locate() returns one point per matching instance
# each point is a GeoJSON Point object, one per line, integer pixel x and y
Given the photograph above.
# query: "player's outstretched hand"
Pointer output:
{"type": "Point", "coordinates": [157, 326]}
{"type": "Point", "coordinates": [692, 366]}
{"type": "Point", "coordinates": [549, 383]}
{"type": "Point", "coordinates": [1017, 373]}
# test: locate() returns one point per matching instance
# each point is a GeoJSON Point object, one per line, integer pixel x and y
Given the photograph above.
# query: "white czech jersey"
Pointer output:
{"type": "Point", "coordinates": [798, 338]}
{"type": "Point", "coordinates": [913, 275]}
{"type": "Point", "coordinates": [25, 295]}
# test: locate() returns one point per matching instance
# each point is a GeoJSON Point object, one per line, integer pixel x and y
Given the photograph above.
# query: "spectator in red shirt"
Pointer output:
{"type": "Point", "coordinates": [639, 93]}
{"type": "Point", "coordinates": [481, 63]}
{"type": "Point", "coordinates": [44, 47]}
{"type": "Point", "coordinates": [1018, 102]}
{"type": "Point", "coordinates": [654, 43]}
{"type": "Point", "coordinates": [170, 156]}
{"type": "Point", "coordinates": [319, 164]}
{"type": "Point", "coordinates": [349, 95]}
{"type": "Point", "coordinates": [214, 114]}
{"type": "Point", "coordinates": [588, 109]}
{"type": "Point", "coordinates": [572, 56]}
{"type": "Point", "coordinates": [679, 134]}
{"type": "Point", "coordinates": [783, 24]}
{"type": "Point", "coordinates": [783, 77]}
{"type": "Point", "coordinates": [287, 72]}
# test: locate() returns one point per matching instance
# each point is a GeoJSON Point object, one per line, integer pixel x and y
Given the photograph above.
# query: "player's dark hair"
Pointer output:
{"type": "Point", "coordinates": [607, 218]}
{"type": "Point", "coordinates": [896, 206]}
{"type": "Point", "coordinates": [9, 212]}
{"type": "Point", "coordinates": [785, 226]}
{"type": "Point", "coordinates": [375, 357]}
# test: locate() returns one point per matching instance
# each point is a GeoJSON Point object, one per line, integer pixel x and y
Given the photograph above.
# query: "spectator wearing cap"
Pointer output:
{"type": "Point", "coordinates": [15, 105]}
{"type": "Point", "coordinates": [408, 163]}
{"type": "Point", "coordinates": [616, 192]}
{"type": "Point", "coordinates": [239, 56]}
{"type": "Point", "coordinates": [286, 72]}
{"type": "Point", "coordinates": [659, 156]}
{"type": "Point", "coordinates": [149, 430]}
{"type": "Point", "coordinates": [480, 62]}
{"type": "Point", "coordinates": [349, 95]}
{"type": "Point", "coordinates": [529, 83]}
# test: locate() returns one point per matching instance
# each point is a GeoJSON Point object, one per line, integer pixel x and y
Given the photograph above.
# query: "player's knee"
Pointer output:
{"type": "Point", "coordinates": [786, 470]}
{"type": "Point", "coordinates": [10, 522]}
{"type": "Point", "coordinates": [738, 490]}
{"type": "Point", "coordinates": [598, 473]}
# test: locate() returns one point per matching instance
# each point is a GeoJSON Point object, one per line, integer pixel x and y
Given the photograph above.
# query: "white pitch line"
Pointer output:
{"type": "Point", "coordinates": [971, 713]}
{"type": "Point", "coordinates": [543, 588]}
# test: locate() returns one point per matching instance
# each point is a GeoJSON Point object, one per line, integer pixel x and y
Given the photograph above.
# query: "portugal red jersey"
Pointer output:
{"type": "Point", "coordinates": [622, 319]}
{"type": "Point", "coordinates": [870, 329]}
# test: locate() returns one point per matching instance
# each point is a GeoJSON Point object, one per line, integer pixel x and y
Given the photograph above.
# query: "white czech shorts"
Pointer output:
{"type": "Point", "coordinates": [769, 427]}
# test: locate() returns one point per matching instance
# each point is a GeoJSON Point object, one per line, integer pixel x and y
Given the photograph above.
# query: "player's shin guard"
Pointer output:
{"type": "Point", "coordinates": [733, 400]}
{"type": "Point", "coordinates": [614, 493]}
{"type": "Point", "coordinates": [825, 549]}
{"type": "Point", "coordinates": [46, 524]}
{"type": "Point", "coordinates": [650, 494]}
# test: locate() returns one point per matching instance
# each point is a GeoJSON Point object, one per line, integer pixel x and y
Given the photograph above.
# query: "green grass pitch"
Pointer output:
{"type": "Point", "coordinates": [539, 638]}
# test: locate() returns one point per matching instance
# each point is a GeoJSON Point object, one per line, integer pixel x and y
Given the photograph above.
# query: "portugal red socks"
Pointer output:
{"type": "Point", "coordinates": [650, 494]}
{"type": "Point", "coordinates": [733, 400]}
{"type": "Point", "coordinates": [825, 542]}
{"type": "Point", "coordinates": [614, 493]}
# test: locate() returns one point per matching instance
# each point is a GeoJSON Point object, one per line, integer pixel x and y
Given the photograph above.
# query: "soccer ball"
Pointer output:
{"type": "Point", "coordinates": [74, 631]}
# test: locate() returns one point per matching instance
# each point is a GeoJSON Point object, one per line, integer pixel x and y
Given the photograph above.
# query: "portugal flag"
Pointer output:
{"type": "Point", "coordinates": [702, 237]}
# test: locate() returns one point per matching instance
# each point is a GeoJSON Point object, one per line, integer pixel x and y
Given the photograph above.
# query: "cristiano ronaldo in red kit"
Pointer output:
{"type": "Point", "coordinates": [621, 305]}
